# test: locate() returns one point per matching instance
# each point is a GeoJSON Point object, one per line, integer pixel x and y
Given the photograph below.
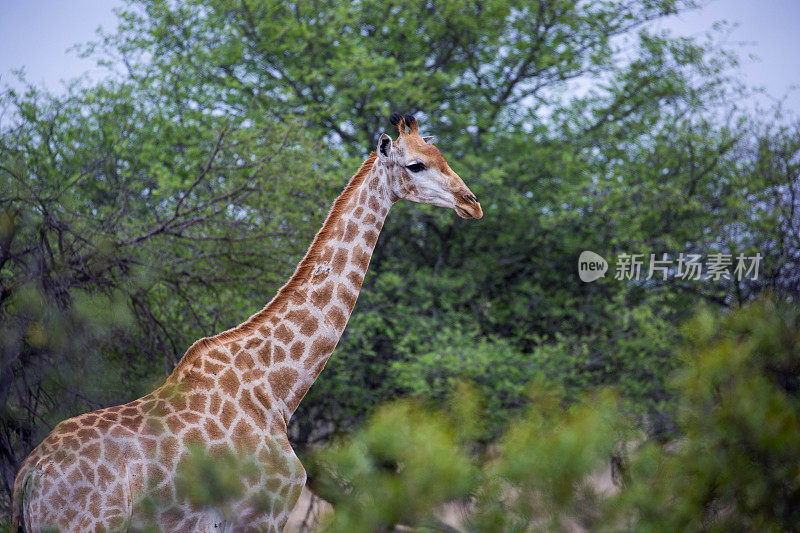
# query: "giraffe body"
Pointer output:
{"type": "Point", "coordinates": [95, 471]}
{"type": "Point", "coordinates": [233, 394]}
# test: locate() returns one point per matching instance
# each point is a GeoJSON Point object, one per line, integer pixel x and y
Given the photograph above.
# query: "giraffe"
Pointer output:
{"type": "Point", "coordinates": [119, 468]}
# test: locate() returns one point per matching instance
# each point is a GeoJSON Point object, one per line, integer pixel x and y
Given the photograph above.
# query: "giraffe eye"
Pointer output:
{"type": "Point", "coordinates": [416, 167]}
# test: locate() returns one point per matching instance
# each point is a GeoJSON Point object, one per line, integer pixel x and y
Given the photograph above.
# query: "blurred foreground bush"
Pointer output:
{"type": "Point", "coordinates": [736, 465]}
{"type": "Point", "coordinates": [733, 466]}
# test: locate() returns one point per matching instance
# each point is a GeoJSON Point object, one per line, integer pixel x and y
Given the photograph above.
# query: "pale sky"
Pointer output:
{"type": "Point", "coordinates": [767, 29]}
{"type": "Point", "coordinates": [37, 33]}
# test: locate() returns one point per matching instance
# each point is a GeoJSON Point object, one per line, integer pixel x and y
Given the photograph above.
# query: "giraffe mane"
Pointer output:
{"type": "Point", "coordinates": [301, 274]}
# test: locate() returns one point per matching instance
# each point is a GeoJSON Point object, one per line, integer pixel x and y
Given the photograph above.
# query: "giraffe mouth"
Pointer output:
{"type": "Point", "coordinates": [472, 210]}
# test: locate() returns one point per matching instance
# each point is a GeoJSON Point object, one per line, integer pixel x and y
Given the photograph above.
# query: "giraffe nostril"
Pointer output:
{"type": "Point", "coordinates": [469, 198]}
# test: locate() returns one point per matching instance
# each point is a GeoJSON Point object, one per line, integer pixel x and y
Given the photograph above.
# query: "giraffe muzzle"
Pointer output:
{"type": "Point", "coordinates": [467, 206]}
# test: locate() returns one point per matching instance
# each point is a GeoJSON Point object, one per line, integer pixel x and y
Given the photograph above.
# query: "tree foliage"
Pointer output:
{"type": "Point", "coordinates": [733, 466]}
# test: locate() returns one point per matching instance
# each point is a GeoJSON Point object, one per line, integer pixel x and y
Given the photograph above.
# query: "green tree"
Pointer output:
{"type": "Point", "coordinates": [733, 464]}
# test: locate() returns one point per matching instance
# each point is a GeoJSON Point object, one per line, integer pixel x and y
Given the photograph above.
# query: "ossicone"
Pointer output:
{"type": "Point", "coordinates": [403, 121]}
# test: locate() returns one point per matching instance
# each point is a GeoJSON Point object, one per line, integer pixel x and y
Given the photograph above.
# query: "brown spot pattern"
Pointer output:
{"type": "Point", "coordinates": [356, 278]}
{"type": "Point", "coordinates": [361, 258]}
{"type": "Point", "coordinates": [322, 296]}
{"type": "Point", "coordinates": [320, 348]}
{"type": "Point", "coordinates": [284, 334]}
{"type": "Point", "coordinates": [282, 381]}
{"type": "Point", "coordinates": [253, 343]}
{"type": "Point", "coordinates": [297, 349]}
{"type": "Point", "coordinates": [347, 297]}
{"type": "Point", "coordinates": [278, 354]}
{"type": "Point", "coordinates": [336, 318]}
{"type": "Point", "coordinates": [326, 255]}
{"type": "Point", "coordinates": [244, 361]}
{"type": "Point", "coordinates": [264, 354]}
{"type": "Point", "coordinates": [229, 382]}
{"type": "Point", "coordinates": [352, 231]}
{"type": "Point", "coordinates": [309, 325]}
{"type": "Point", "coordinates": [251, 409]}
{"type": "Point", "coordinates": [371, 237]}
{"type": "Point", "coordinates": [340, 260]}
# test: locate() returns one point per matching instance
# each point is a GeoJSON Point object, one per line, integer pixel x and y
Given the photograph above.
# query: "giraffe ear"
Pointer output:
{"type": "Point", "coordinates": [385, 146]}
{"type": "Point", "coordinates": [429, 139]}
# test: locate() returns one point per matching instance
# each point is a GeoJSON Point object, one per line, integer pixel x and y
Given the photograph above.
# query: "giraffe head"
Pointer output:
{"type": "Point", "coordinates": [418, 172]}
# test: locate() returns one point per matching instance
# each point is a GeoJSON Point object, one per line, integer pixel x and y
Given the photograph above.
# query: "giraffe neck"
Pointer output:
{"type": "Point", "coordinates": [282, 349]}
